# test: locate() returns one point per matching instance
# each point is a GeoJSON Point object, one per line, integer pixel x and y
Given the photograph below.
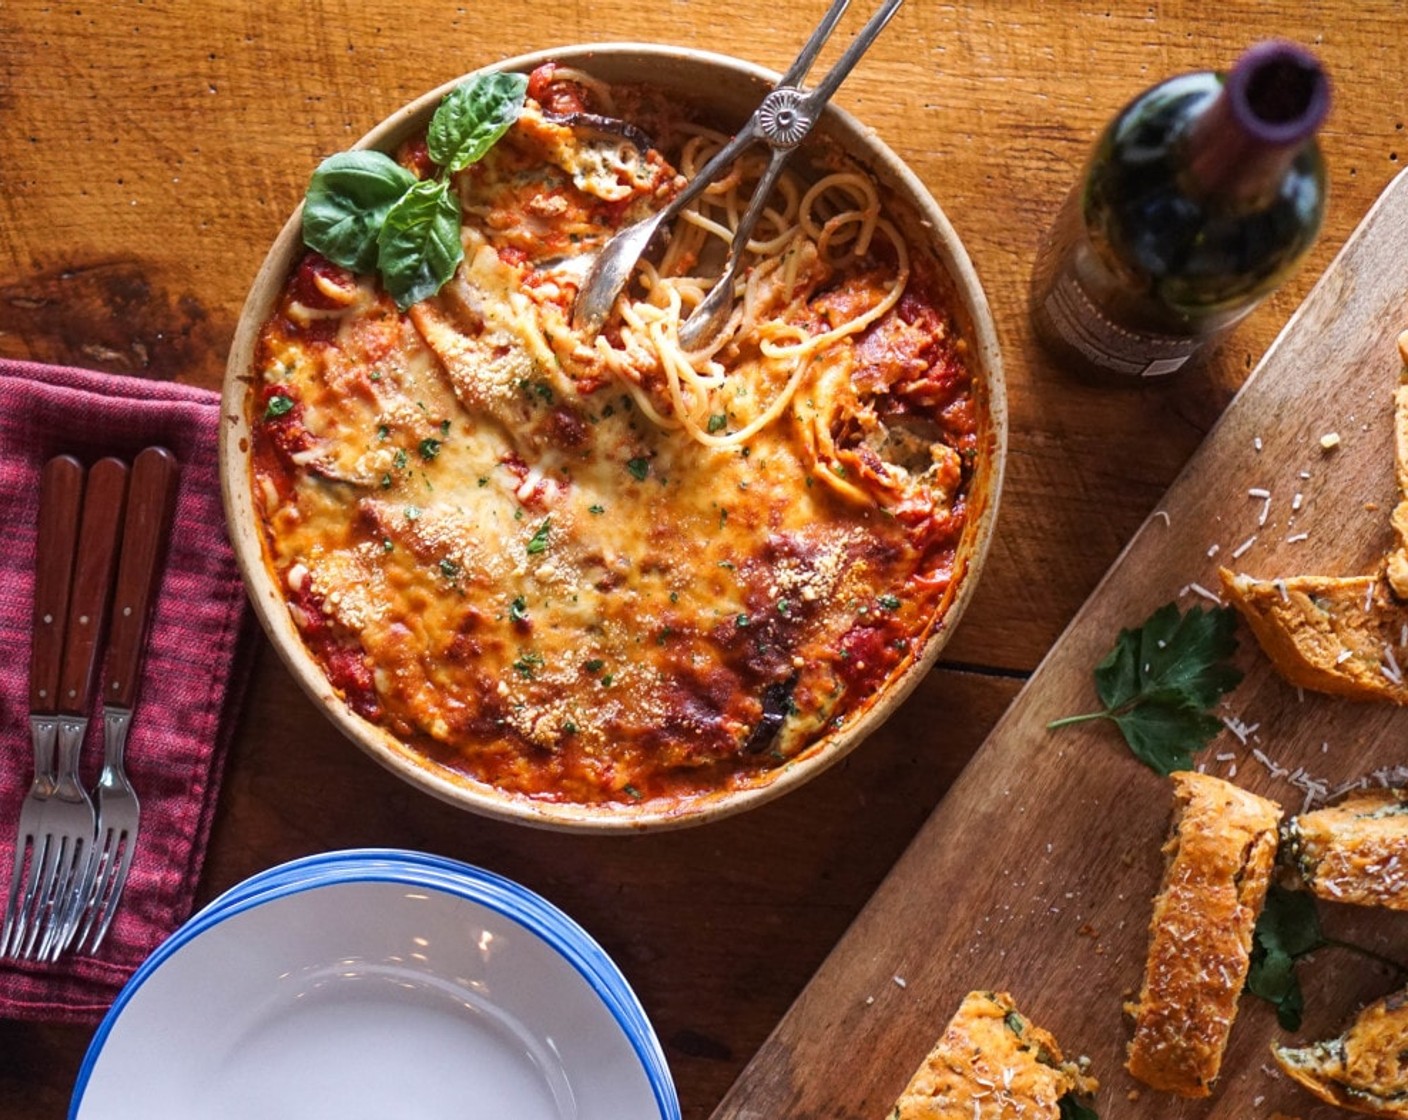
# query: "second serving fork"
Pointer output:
{"type": "Point", "coordinates": [150, 502]}
{"type": "Point", "coordinates": [69, 818]}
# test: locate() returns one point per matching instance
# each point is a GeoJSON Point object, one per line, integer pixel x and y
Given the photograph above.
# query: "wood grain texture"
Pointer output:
{"type": "Point", "coordinates": [1053, 903]}
{"type": "Point", "coordinates": [150, 152]}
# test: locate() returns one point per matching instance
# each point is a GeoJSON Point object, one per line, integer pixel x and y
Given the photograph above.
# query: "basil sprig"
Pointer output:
{"type": "Point", "coordinates": [363, 210]}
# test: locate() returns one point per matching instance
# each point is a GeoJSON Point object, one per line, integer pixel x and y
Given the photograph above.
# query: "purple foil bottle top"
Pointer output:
{"type": "Point", "coordinates": [1278, 93]}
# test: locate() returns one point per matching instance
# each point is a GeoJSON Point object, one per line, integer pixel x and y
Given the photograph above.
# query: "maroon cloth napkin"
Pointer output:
{"type": "Point", "coordinates": [196, 663]}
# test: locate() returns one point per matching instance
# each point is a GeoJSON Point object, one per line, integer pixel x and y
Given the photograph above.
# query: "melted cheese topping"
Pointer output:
{"type": "Point", "coordinates": [499, 556]}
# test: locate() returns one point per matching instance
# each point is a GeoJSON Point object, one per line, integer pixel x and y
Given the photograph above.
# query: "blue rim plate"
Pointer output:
{"type": "Point", "coordinates": [505, 1000]}
{"type": "Point", "coordinates": [329, 866]}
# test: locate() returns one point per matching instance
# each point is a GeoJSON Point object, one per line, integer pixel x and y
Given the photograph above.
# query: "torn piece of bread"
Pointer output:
{"type": "Point", "coordinates": [1341, 636]}
{"type": "Point", "coordinates": [1366, 1068]}
{"type": "Point", "coordinates": [992, 1063]}
{"type": "Point", "coordinates": [1356, 850]}
{"type": "Point", "coordinates": [1220, 853]}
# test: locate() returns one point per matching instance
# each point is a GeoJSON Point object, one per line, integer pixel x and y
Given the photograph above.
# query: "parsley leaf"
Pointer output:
{"type": "Point", "coordinates": [1159, 681]}
{"type": "Point", "coordinates": [539, 543]}
{"type": "Point", "coordinates": [1287, 930]}
{"type": "Point", "coordinates": [1072, 1109]}
{"type": "Point", "coordinates": [279, 405]}
{"type": "Point", "coordinates": [639, 468]}
{"type": "Point", "coordinates": [518, 610]}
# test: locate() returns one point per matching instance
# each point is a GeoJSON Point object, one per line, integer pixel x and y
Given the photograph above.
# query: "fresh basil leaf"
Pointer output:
{"type": "Point", "coordinates": [472, 117]}
{"type": "Point", "coordinates": [419, 246]}
{"type": "Point", "coordinates": [347, 201]}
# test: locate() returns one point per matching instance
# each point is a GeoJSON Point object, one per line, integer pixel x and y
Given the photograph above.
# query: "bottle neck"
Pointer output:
{"type": "Point", "coordinates": [1242, 145]}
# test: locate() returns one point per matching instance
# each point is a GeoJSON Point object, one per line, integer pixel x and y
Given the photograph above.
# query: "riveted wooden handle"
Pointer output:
{"type": "Point", "coordinates": [103, 500]}
{"type": "Point", "coordinates": [151, 498]}
{"type": "Point", "coordinates": [60, 501]}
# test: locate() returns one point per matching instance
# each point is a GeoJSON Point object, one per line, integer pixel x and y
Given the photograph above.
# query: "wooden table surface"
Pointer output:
{"type": "Point", "coordinates": [150, 151]}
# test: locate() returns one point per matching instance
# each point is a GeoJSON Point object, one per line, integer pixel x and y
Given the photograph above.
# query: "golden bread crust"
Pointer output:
{"type": "Point", "coordinates": [1220, 854]}
{"type": "Point", "coordinates": [1341, 636]}
{"type": "Point", "coordinates": [1366, 1068]}
{"type": "Point", "coordinates": [991, 1063]}
{"type": "Point", "coordinates": [1355, 851]}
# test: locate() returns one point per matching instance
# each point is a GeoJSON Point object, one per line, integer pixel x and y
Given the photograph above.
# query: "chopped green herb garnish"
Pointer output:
{"type": "Point", "coordinates": [528, 663]}
{"type": "Point", "coordinates": [639, 468]}
{"type": "Point", "coordinates": [631, 791]}
{"type": "Point", "coordinates": [518, 610]}
{"type": "Point", "coordinates": [594, 665]}
{"type": "Point", "coordinates": [741, 620]}
{"type": "Point", "coordinates": [606, 680]}
{"type": "Point", "coordinates": [569, 727]}
{"type": "Point", "coordinates": [401, 459]}
{"type": "Point", "coordinates": [429, 448]}
{"type": "Point", "coordinates": [386, 544]}
{"type": "Point", "coordinates": [444, 427]}
{"type": "Point", "coordinates": [717, 422]}
{"type": "Point", "coordinates": [278, 405]}
{"type": "Point", "coordinates": [413, 513]}
{"type": "Point", "coordinates": [596, 509]}
{"type": "Point", "coordinates": [382, 431]}
{"type": "Point", "coordinates": [449, 568]}
{"type": "Point", "coordinates": [539, 541]}
{"type": "Point", "coordinates": [386, 482]}
{"type": "Point", "coordinates": [483, 481]}
{"type": "Point", "coordinates": [890, 602]}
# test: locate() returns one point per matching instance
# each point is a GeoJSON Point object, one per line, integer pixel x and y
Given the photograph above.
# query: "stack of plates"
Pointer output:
{"type": "Point", "coordinates": [373, 984]}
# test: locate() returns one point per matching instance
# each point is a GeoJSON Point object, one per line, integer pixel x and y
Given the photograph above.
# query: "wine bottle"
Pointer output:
{"type": "Point", "coordinates": [1197, 201]}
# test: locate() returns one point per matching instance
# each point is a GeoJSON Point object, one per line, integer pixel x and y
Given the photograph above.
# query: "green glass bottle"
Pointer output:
{"type": "Point", "coordinates": [1200, 198]}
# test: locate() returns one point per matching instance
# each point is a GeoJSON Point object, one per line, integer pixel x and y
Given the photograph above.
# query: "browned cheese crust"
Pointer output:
{"type": "Point", "coordinates": [1220, 854]}
{"type": "Point", "coordinates": [1345, 636]}
{"type": "Point", "coordinates": [992, 1063]}
{"type": "Point", "coordinates": [1341, 636]}
{"type": "Point", "coordinates": [1366, 1068]}
{"type": "Point", "coordinates": [1355, 851]}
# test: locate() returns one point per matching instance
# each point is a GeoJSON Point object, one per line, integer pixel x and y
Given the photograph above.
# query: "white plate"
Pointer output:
{"type": "Point", "coordinates": [387, 992]}
{"type": "Point", "coordinates": [494, 890]}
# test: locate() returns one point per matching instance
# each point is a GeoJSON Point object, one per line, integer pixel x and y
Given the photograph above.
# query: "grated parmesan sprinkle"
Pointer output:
{"type": "Point", "coordinates": [1199, 589]}
{"type": "Point", "coordinates": [1242, 548]}
{"type": "Point", "coordinates": [1297, 538]}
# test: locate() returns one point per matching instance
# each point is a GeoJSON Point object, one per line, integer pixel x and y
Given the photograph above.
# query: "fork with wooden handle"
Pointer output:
{"type": "Point", "coordinates": [60, 502]}
{"type": "Point", "coordinates": [151, 498]}
{"type": "Point", "coordinates": [69, 816]}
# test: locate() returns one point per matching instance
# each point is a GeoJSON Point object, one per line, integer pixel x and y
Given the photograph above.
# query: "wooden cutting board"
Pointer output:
{"type": "Point", "coordinates": [1035, 873]}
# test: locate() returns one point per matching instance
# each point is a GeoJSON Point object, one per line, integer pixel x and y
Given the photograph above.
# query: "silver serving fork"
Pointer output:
{"type": "Point", "coordinates": [60, 501]}
{"type": "Point", "coordinates": [151, 499]}
{"type": "Point", "coordinates": [69, 819]}
{"type": "Point", "coordinates": [782, 122]}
